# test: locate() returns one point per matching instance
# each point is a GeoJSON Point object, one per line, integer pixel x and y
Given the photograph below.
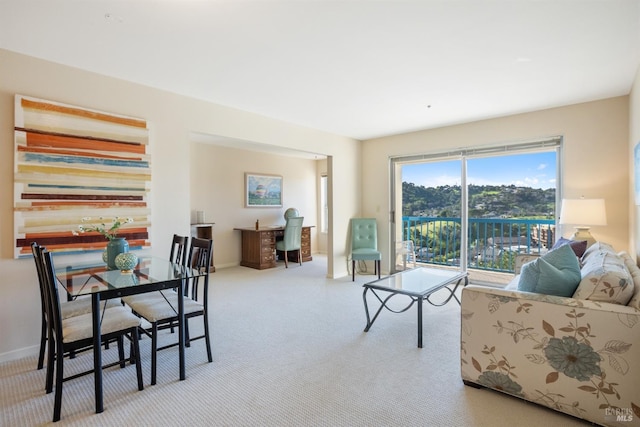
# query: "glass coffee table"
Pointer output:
{"type": "Point", "coordinates": [418, 284]}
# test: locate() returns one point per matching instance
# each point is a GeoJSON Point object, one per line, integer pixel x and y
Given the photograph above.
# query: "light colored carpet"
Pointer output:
{"type": "Point", "coordinates": [289, 350]}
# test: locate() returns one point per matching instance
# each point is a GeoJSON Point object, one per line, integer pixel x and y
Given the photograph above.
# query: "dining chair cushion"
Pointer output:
{"type": "Point", "coordinates": [83, 306]}
{"type": "Point", "coordinates": [148, 298]}
{"type": "Point", "coordinates": [160, 309]}
{"type": "Point", "coordinates": [80, 327]}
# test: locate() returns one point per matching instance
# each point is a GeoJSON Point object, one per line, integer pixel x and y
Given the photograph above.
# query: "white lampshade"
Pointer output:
{"type": "Point", "coordinates": [583, 213]}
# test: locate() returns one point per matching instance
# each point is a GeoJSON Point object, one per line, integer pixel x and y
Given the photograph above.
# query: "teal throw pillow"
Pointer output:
{"type": "Point", "coordinates": [555, 273]}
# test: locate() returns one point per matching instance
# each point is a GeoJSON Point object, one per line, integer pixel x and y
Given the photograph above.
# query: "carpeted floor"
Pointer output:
{"type": "Point", "coordinates": [289, 350]}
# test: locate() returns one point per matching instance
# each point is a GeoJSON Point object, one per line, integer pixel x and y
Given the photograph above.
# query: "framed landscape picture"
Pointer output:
{"type": "Point", "coordinates": [262, 190]}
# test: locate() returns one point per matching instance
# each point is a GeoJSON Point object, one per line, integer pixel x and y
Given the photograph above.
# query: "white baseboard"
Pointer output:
{"type": "Point", "coordinates": [19, 353]}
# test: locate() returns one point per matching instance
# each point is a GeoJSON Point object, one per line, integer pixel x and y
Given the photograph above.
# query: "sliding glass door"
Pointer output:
{"type": "Point", "coordinates": [433, 212]}
{"type": "Point", "coordinates": [476, 209]}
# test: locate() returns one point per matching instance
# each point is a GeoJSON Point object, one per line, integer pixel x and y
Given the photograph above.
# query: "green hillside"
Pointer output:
{"type": "Point", "coordinates": [485, 201]}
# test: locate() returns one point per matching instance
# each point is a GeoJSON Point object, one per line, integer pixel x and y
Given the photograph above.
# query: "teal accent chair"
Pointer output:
{"type": "Point", "coordinates": [364, 244]}
{"type": "Point", "coordinates": [292, 239]}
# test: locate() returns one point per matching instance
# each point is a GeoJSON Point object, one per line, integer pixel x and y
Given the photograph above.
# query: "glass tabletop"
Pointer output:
{"type": "Point", "coordinates": [87, 278]}
{"type": "Point", "coordinates": [419, 281]}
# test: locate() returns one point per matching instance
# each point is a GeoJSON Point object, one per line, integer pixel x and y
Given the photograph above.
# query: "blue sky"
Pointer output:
{"type": "Point", "coordinates": [535, 170]}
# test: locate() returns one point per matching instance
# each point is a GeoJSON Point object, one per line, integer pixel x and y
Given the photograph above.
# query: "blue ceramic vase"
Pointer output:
{"type": "Point", "coordinates": [115, 247]}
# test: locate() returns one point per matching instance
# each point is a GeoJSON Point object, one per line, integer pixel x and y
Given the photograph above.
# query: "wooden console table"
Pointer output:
{"type": "Point", "coordinates": [259, 246]}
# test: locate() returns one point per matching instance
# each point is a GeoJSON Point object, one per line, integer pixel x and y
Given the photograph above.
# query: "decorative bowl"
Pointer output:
{"type": "Point", "coordinates": [126, 261]}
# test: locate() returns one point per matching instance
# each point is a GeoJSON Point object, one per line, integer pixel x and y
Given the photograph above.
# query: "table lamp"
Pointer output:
{"type": "Point", "coordinates": [582, 214]}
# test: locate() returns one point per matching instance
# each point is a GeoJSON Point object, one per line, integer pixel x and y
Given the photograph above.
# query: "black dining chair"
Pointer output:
{"type": "Point", "coordinates": [76, 333]}
{"type": "Point", "coordinates": [162, 314]}
{"type": "Point", "coordinates": [179, 249]}
{"type": "Point", "coordinates": [67, 308]}
{"type": "Point", "coordinates": [177, 255]}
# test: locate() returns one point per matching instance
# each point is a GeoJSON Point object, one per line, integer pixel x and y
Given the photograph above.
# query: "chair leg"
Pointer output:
{"type": "Point", "coordinates": [378, 267]}
{"type": "Point", "coordinates": [135, 354]}
{"type": "Point", "coordinates": [187, 338]}
{"type": "Point", "coordinates": [353, 270]}
{"type": "Point", "coordinates": [207, 338]}
{"type": "Point", "coordinates": [51, 357]}
{"type": "Point", "coordinates": [286, 259]}
{"type": "Point", "coordinates": [131, 359]}
{"type": "Point", "coordinates": [43, 343]}
{"type": "Point", "coordinates": [300, 256]}
{"type": "Point", "coordinates": [154, 351]}
{"type": "Point", "coordinates": [123, 361]}
{"type": "Point", "coordinates": [57, 405]}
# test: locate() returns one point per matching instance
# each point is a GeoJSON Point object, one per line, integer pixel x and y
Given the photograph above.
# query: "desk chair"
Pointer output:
{"type": "Point", "coordinates": [292, 239]}
{"type": "Point", "coordinates": [364, 243]}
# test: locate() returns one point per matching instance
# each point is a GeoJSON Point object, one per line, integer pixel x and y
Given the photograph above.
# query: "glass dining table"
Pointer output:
{"type": "Point", "coordinates": [100, 283]}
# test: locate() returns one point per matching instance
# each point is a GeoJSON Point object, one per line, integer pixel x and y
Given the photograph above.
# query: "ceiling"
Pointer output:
{"type": "Point", "coordinates": [357, 68]}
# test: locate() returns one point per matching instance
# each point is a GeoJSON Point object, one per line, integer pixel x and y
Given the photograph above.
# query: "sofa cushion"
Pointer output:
{"type": "Point", "coordinates": [555, 273]}
{"type": "Point", "coordinates": [597, 248]}
{"type": "Point", "coordinates": [578, 246]}
{"type": "Point", "coordinates": [605, 278]}
{"type": "Point", "coordinates": [634, 270]}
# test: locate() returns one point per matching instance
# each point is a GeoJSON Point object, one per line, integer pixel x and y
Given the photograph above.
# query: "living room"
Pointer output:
{"type": "Point", "coordinates": [599, 138]}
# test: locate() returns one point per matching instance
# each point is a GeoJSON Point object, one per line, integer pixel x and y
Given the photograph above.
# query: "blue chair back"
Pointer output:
{"type": "Point", "coordinates": [293, 234]}
{"type": "Point", "coordinates": [364, 234]}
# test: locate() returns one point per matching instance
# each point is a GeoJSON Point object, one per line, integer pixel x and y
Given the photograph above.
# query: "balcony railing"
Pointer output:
{"type": "Point", "coordinates": [492, 243]}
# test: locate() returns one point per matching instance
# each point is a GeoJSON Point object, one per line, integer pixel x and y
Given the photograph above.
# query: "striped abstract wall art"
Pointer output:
{"type": "Point", "coordinates": [73, 163]}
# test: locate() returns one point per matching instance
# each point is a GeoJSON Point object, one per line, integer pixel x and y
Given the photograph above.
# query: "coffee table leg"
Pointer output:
{"type": "Point", "coordinates": [366, 309]}
{"type": "Point", "coordinates": [420, 322]}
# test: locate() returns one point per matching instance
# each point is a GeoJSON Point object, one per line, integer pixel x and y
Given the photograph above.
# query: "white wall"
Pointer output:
{"type": "Point", "coordinates": [595, 156]}
{"type": "Point", "coordinates": [224, 204]}
{"type": "Point", "coordinates": [172, 119]}
{"type": "Point", "coordinates": [634, 138]}
{"type": "Point", "coordinates": [321, 238]}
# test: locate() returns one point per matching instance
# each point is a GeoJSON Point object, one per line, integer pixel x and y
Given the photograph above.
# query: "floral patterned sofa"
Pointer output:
{"type": "Point", "coordinates": [579, 355]}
